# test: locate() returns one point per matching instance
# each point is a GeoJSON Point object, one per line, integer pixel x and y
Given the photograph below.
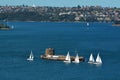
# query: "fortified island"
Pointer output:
{"type": "Point", "coordinates": [50, 55]}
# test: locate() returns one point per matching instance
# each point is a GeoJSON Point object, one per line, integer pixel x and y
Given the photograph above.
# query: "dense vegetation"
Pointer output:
{"type": "Point", "coordinates": [79, 13]}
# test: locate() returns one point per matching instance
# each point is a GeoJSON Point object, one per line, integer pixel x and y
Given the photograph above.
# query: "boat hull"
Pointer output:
{"type": "Point", "coordinates": [90, 62]}
{"type": "Point", "coordinates": [97, 63]}
{"type": "Point", "coordinates": [30, 59]}
{"type": "Point", "coordinates": [75, 61]}
{"type": "Point", "coordinates": [67, 61]}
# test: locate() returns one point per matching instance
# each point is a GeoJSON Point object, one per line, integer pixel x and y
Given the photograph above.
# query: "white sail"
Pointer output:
{"type": "Point", "coordinates": [68, 59]}
{"type": "Point", "coordinates": [68, 56]}
{"type": "Point", "coordinates": [12, 27]}
{"type": "Point", "coordinates": [91, 59]}
{"type": "Point", "coordinates": [33, 5]}
{"type": "Point", "coordinates": [31, 57]}
{"type": "Point", "coordinates": [87, 24]}
{"type": "Point", "coordinates": [76, 59]}
{"type": "Point", "coordinates": [98, 59]}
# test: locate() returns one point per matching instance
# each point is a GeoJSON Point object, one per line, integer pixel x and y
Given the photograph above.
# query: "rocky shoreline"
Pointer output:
{"type": "Point", "coordinates": [116, 25]}
{"type": "Point", "coordinates": [4, 27]}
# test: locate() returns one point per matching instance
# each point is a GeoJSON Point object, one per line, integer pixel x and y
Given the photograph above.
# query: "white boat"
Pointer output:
{"type": "Point", "coordinates": [12, 27]}
{"type": "Point", "coordinates": [91, 59]}
{"type": "Point", "coordinates": [76, 59]}
{"type": "Point", "coordinates": [67, 59]}
{"type": "Point", "coordinates": [98, 60]}
{"type": "Point", "coordinates": [31, 57]}
{"type": "Point", "coordinates": [33, 5]}
{"type": "Point", "coordinates": [88, 24]}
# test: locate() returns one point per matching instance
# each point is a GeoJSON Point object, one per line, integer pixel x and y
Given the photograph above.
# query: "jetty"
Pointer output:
{"type": "Point", "coordinates": [50, 55]}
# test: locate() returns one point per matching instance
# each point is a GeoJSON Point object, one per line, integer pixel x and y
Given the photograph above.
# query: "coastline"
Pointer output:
{"type": "Point", "coordinates": [117, 25]}
{"type": "Point", "coordinates": [61, 21]}
{"type": "Point", "coordinates": [5, 28]}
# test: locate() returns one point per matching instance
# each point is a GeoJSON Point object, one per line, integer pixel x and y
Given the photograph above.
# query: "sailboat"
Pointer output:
{"type": "Point", "coordinates": [76, 59]}
{"type": "Point", "coordinates": [12, 27]}
{"type": "Point", "coordinates": [88, 24]}
{"type": "Point", "coordinates": [98, 60]}
{"type": "Point", "coordinates": [68, 59]}
{"type": "Point", "coordinates": [91, 59]}
{"type": "Point", "coordinates": [31, 57]}
{"type": "Point", "coordinates": [33, 5]}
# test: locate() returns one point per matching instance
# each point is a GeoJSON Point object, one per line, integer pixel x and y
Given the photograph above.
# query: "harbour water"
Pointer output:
{"type": "Point", "coordinates": [16, 44]}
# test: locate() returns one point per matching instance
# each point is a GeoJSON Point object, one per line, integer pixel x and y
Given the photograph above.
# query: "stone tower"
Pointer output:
{"type": "Point", "coordinates": [49, 51]}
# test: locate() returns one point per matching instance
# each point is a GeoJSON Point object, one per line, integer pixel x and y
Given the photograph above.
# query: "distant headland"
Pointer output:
{"type": "Point", "coordinates": [59, 14]}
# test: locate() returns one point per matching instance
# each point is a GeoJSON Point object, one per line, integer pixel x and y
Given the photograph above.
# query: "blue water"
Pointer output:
{"type": "Point", "coordinates": [16, 44]}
